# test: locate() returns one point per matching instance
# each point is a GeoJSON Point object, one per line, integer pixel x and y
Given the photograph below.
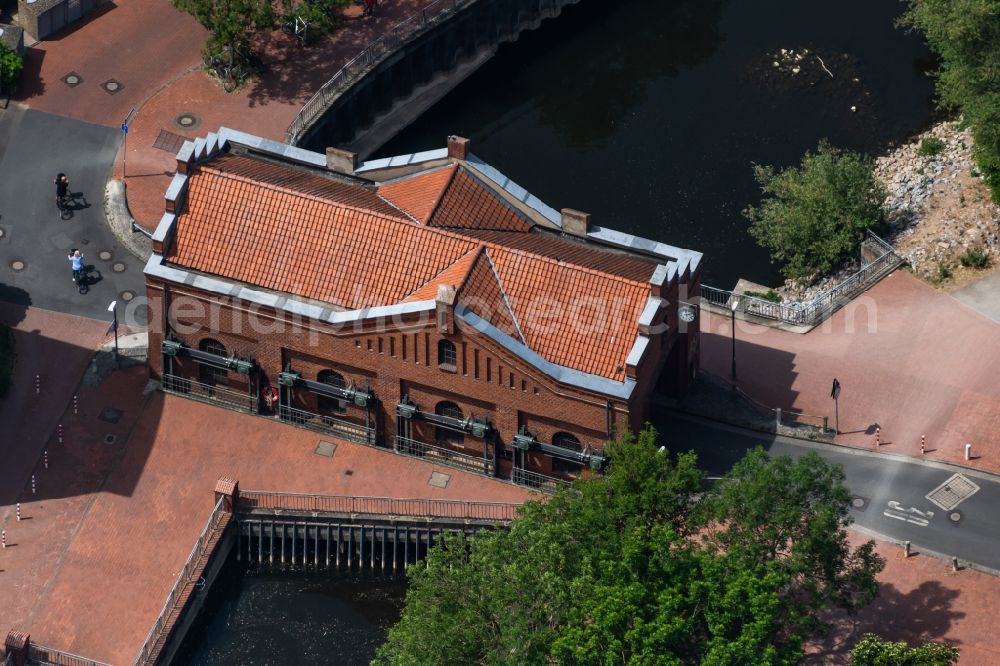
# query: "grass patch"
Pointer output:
{"type": "Point", "coordinates": [7, 356]}
{"type": "Point", "coordinates": [975, 258]}
{"type": "Point", "coordinates": [930, 146]}
{"type": "Point", "coordinates": [769, 295]}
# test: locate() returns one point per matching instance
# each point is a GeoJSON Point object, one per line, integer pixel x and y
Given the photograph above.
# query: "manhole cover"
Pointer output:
{"type": "Point", "coordinates": [72, 79]}
{"type": "Point", "coordinates": [954, 516]}
{"type": "Point", "coordinates": [169, 141]}
{"type": "Point", "coordinates": [2, 232]}
{"type": "Point", "coordinates": [326, 449]}
{"type": "Point", "coordinates": [110, 439]}
{"type": "Point", "coordinates": [952, 492]}
{"type": "Point", "coordinates": [112, 87]}
{"type": "Point", "coordinates": [118, 267]}
{"type": "Point", "coordinates": [127, 296]}
{"type": "Point", "coordinates": [17, 265]}
{"type": "Point", "coordinates": [110, 415]}
{"type": "Point", "coordinates": [859, 503]}
{"type": "Point", "coordinates": [187, 121]}
{"type": "Point", "coordinates": [104, 255]}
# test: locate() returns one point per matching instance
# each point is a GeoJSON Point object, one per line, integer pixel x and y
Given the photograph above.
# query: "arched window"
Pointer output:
{"type": "Point", "coordinates": [566, 441]}
{"type": "Point", "coordinates": [207, 373]}
{"type": "Point", "coordinates": [444, 435]}
{"type": "Point", "coordinates": [447, 355]}
{"type": "Point", "coordinates": [326, 404]}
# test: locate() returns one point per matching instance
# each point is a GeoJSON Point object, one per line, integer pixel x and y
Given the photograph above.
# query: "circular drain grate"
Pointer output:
{"type": "Point", "coordinates": [72, 79]}
{"type": "Point", "coordinates": [2, 232]}
{"type": "Point", "coordinates": [187, 121]}
{"type": "Point", "coordinates": [954, 516]}
{"type": "Point", "coordinates": [857, 502]}
{"type": "Point", "coordinates": [17, 265]}
{"type": "Point", "coordinates": [112, 87]}
{"type": "Point", "coordinates": [118, 267]}
{"type": "Point", "coordinates": [104, 255]}
{"type": "Point", "coordinates": [110, 439]}
{"type": "Point", "coordinates": [127, 296]}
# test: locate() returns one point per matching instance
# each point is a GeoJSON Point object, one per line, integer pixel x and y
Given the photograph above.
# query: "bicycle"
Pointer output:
{"type": "Point", "coordinates": [63, 205]}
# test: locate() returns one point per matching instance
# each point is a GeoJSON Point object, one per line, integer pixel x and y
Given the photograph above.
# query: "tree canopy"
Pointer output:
{"type": "Point", "coordinates": [640, 567]}
{"type": "Point", "coordinates": [966, 35]}
{"type": "Point", "coordinates": [814, 216]}
{"type": "Point", "coordinates": [872, 650]}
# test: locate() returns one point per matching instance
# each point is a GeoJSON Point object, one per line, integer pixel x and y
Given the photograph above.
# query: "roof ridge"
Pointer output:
{"type": "Point", "coordinates": [550, 260]}
{"type": "Point", "coordinates": [503, 293]}
{"type": "Point", "coordinates": [465, 277]}
{"type": "Point", "coordinates": [440, 196]}
{"type": "Point", "coordinates": [297, 193]}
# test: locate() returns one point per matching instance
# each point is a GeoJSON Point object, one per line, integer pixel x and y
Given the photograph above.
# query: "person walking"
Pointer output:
{"type": "Point", "coordinates": [76, 261]}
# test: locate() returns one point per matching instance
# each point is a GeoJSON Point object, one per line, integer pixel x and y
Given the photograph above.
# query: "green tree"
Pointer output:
{"type": "Point", "coordinates": [966, 34]}
{"type": "Point", "coordinates": [233, 23]}
{"type": "Point", "coordinates": [11, 65]}
{"type": "Point", "coordinates": [814, 216]}
{"type": "Point", "coordinates": [874, 650]}
{"type": "Point", "coordinates": [613, 570]}
{"type": "Point", "coordinates": [789, 516]}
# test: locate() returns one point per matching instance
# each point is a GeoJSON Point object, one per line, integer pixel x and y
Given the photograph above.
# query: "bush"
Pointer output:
{"type": "Point", "coordinates": [769, 295]}
{"type": "Point", "coordinates": [975, 258]}
{"type": "Point", "coordinates": [943, 273]}
{"type": "Point", "coordinates": [11, 65]}
{"type": "Point", "coordinates": [930, 146]}
{"type": "Point", "coordinates": [814, 216]}
{"type": "Point", "coordinates": [7, 357]}
{"type": "Point", "coordinates": [320, 16]}
{"type": "Point", "coordinates": [965, 35]}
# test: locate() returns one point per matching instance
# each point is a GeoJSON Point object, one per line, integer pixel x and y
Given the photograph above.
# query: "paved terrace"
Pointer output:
{"type": "Point", "coordinates": [910, 359]}
{"type": "Point", "coordinates": [88, 567]}
{"type": "Point", "coordinates": [154, 52]}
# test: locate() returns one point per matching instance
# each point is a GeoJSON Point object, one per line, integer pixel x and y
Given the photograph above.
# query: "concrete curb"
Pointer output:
{"type": "Point", "coordinates": [920, 550]}
{"type": "Point", "coordinates": [120, 220]}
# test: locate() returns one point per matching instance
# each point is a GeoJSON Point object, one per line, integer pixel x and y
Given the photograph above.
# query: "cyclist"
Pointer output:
{"type": "Point", "coordinates": [76, 260]}
{"type": "Point", "coordinates": [62, 189]}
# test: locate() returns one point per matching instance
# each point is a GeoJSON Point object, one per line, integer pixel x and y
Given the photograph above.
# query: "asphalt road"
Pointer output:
{"type": "Point", "coordinates": [34, 147]}
{"type": "Point", "coordinates": [892, 493]}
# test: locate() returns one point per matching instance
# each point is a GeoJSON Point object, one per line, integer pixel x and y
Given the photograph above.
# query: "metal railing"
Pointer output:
{"type": "Point", "coordinates": [370, 56]}
{"type": "Point", "coordinates": [786, 416]}
{"type": "Point", "coordinates": [40, 654]}
{"type": "Point", "coordinates": [331, 425]}
{"type": "Point", "coordinates": [418, 508]}
{"type": "Point", "coordinates": [164, 622]}
{"type": "Point", "coordinates": [443, 455]}
{"type": "Point", "coordinates": [210, 393]}
{"type": "Point", "coordinates": [813, 312]}
{"type": "Point", "coordinates": [547, 484]}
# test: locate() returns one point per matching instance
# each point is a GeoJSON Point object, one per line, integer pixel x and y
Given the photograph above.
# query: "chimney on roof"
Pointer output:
{"type": "Point", "coordinates": [341, 161]}
{"type": "Point", "coordinates": [575, 222]}
{"type": "Point", "coordinates": [445, 307]}
{"type": "Point", "coordinates": [458, 148]}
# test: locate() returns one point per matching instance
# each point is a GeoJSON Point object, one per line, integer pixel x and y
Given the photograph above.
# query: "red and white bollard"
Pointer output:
{"type": "Point", "coordinates": [38, 384]}
{"type": "Point", "coordinates": [75, 410]}
{"type": "Point", "coordinates": [60, 434]}
{"type": "Point", "coordinates": [32, 484]}
{"type": "Point", "coordinates": [45, 458]}
{"type": "Point", "coordinates": [878, 437]}
{"type": "Point", "coordinates": [18, 512]}
{"type": "Point", "coordinates": [3, 538]}
{"type": "Point", "coordinates": [923, 445]}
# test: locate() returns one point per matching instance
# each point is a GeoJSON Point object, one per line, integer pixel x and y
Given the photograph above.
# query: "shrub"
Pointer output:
{"type": "Point", "coordinates": [7, 357]}
{"type": "Point", "coordinates": [11, 65]}
{"type": "Point", "coordinates": [930, 146]}
{"type": "Point", "coordinates": [769, 295]}
{"type": "Point", "coordinates": [975, 258]}
{"type": "Point", "coordinates": [814, 216]}
{"type": "Point", "coordinates": [943, 273]}
{"type": "Point", "coordinates": [320, 16]}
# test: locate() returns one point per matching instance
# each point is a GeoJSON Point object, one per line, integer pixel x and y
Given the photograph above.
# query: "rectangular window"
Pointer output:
{"type": "Point", "coordinates": [416, 349]}
{"type": "Point", "coordinates": [380, 346]}
{"type": "Point", "coordinates": [489, 372]}
{"type": "Point", "coordinates": [475, 363]}
{"type": "Point", "coordinates": [369, 344]}
{"type": "Point", "coordinates": [402, 345]}
{"type": "Point", "coordinates": [392, 347]}
{"type": "Point", "coordinates": [524, 386]}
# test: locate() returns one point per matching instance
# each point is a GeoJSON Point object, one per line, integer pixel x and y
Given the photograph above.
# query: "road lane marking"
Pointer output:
{"type": "Point", "coordinates": [913, 515]}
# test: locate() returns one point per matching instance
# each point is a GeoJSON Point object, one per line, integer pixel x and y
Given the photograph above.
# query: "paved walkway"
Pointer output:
{"type": "Point", "coordinates": [983, 295]}
{"type": "Point", "coordinates": [910, 359]}
{"type": "Point", "coordinates": [154, 52]}
{"type": "Point", "coordinates": [114, 518]}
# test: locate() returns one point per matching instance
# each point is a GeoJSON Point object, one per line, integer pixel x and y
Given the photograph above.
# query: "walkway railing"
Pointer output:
{"type": "Point", "coordinates": [39, 654]}
{"type": "Point", "coordinates": [249, 500]}
{"type": "Point", "coordinates": [443, 455]}
{"type": "Point", "coordinates": [548, 484]}
{"type": "Point", "coordinates": [812, 313]}
{"type": "Point", "coordinates": [341, 428]}
{"type": "Point", "coordinates": [180, 592]}
{"type": "Point", "coordinates": [217, 395]}
{"type": "Point", "coordinates": [362, 63]}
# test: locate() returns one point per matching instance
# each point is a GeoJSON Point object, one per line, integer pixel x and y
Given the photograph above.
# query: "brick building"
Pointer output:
{"type": "Point", "coordinates": [423, 303]}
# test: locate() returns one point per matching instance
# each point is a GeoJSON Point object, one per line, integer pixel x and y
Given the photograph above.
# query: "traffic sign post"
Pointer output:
{"type": "Point", "coordinates": [835, 394]}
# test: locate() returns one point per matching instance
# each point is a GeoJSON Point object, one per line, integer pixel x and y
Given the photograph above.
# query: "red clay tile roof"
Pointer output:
{"type": "Point", "coordinates": [419, 194]}
{"type": "Point", "coordinates": [321, 240]}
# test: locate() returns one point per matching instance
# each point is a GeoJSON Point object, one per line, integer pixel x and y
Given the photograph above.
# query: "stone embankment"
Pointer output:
{"type": "Point", "coordinates": [938, 206]}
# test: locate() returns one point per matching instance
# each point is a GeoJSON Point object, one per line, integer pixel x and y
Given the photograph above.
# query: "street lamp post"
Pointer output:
{"type": "Point", "coordinates": [734, 307]}
{"type": "Point", "coordinates": [113, 309]}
